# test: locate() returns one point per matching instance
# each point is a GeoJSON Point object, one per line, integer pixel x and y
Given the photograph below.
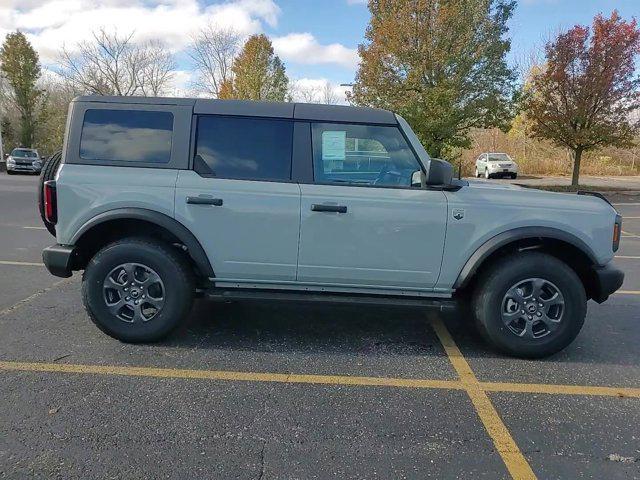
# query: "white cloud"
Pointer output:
{"type": "Point", "coordinates": [304, 48]}
{"type": "Point", "coordinates": [357, 2]}
{"type": "Point", "coordinates": [52, 24]}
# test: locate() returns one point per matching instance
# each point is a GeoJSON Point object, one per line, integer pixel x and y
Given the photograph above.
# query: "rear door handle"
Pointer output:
{"type": "Point", "coordinates": [328, 208]}
{"type": "Point", "coordinates": [217, 202]}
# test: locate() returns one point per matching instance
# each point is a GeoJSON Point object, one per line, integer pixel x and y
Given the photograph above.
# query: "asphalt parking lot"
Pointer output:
{"type": "Point", "coordinates": [288, 391]}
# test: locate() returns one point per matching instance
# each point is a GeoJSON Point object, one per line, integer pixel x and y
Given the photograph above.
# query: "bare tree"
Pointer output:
{"type": "Point", "coordinates": [313, 93]}
{"type": "Point", "coordinates": [114, 65]}
{"type": "Point", "coordinates": [329, 96]}
{"type": "Point", "coordinates": [212, 51]}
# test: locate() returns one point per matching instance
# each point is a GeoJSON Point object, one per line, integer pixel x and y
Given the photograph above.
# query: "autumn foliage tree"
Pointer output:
{"type": "Point", "coordinates": [439, 63]}
{"type": "Point", "coordinates": [258, 74]}
{"type": "Point", "coordinates": [585, 95]}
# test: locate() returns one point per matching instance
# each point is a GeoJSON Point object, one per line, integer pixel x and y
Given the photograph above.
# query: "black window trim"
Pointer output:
{"type": "Point", "coordinates": [126, 163]}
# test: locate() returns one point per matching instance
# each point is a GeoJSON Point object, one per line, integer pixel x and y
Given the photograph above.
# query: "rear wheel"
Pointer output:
{"type": "Point", "coordinates": [530, 305]}
{"type": "Point", "coordinates": [47, 173]}
{"type": "Point", "coordinates": [138, 290]}
{"type": "Point", "coordinates": [486, 173]}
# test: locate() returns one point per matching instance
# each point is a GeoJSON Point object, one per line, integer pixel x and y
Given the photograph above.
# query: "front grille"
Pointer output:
{"type": "Point", "coordinates": [505, 165]}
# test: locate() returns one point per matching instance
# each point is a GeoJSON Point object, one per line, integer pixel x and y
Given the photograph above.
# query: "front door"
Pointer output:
{"type": "Point", "coordinates": [362, 222]}
{"type": "Point", "coordinates": [239, 200]}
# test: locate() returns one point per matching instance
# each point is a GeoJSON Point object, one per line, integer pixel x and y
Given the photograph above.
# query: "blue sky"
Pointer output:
{"type": "Point", "coordinates": [317, 39]}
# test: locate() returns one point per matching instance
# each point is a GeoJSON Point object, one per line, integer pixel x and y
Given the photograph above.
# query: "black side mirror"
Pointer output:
{"type": "Point", "coordinates": [6, 155]}
{"type": "Point", "coordinates": [440, 172]}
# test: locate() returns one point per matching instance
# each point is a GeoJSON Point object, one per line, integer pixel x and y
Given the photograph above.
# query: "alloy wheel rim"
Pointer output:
{"type": "Point", "coordinates": [133, 293]}
{"type": "Point", "coordinates": [532, 308]}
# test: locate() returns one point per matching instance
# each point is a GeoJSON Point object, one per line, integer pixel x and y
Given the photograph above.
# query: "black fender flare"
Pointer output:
{"type": "Point", "coordinates": [182, 233]}
{"type": "Point", "coordinates": [521, 233]}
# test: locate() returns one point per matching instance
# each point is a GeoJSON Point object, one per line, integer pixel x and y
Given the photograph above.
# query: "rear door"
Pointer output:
{"type": "Point", "coordinates": [362, 222]}
{"type": "Point", "coordinates": [239, 199]}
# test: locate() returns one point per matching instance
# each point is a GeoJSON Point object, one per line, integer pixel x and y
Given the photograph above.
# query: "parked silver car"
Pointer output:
{"type": "Point", "coordinates": [158, 199]}
{"type": "Point", "coordinates": [24, 160]}
{"type": "Point", "coordinates": [491, 165]}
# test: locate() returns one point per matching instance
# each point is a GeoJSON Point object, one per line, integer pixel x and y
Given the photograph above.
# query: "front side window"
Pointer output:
{"type": "Point", "coordinates": [139, 136]}
{"type": "Point", "coordinates": [362, 155]}
{"type": "Point", "coordinates": [244, 148]}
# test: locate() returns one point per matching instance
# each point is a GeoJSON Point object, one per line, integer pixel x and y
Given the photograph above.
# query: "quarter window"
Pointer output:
{"type": "Point", "coordinates": [137, 136]}
{"type": "Point", "coordinates": [244, 148]}
{"type": "Point", "coordinates": [362, 155]}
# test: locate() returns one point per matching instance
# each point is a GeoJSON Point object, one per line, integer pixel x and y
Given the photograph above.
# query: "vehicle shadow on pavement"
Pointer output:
{"type": "Point", "coordinates": [298, 327]}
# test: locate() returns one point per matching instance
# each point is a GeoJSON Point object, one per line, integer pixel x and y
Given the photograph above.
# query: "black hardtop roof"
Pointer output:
{"type": "Point", "coordinates": [301, 111]}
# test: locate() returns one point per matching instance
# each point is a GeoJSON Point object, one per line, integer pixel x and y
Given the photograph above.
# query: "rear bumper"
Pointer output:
{"type": "Point", "coordinates": [608, 279]}
{"type": "Point", "coordinates": [59, 259]}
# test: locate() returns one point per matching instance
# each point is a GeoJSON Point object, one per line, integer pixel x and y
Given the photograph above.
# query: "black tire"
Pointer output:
{"type": "Point", "coordinates": [514, 176]}
{"type": "Point", "coordinates": [171, 267]}
{"type": "Point", "coordinates": [489, 297]}
{"type": "Point", "coordinates": [9, 172]}
{"type": "Point", "coordinates": [47, 173]}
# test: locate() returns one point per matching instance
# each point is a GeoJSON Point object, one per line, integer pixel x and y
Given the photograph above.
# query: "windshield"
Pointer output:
{"type": "Point", "coordinates": [24, 153]}
{"type": "Point", "coordinates": [499, 157]}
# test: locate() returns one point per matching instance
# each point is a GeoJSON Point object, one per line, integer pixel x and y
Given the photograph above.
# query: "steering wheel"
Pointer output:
{"type": "Point", "coordinates": [385, 172]}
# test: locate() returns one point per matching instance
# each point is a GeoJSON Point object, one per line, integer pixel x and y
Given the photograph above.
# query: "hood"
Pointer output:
{"type": "Point", "coordinates": [494, 186]}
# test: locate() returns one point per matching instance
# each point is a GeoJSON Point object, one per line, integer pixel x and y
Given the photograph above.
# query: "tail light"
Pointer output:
{"type": "Point", "coordinates": [617, 230]}
{"type": "Point", "coordinates": [50, 202]}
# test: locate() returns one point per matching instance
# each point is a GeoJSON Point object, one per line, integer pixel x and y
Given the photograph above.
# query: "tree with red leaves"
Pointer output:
{"type": "Point", "coordinates": [585, 96]}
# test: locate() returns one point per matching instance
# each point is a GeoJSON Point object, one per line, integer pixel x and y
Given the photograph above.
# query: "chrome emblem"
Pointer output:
{"type": "Point", "coordinates": [458, 213]}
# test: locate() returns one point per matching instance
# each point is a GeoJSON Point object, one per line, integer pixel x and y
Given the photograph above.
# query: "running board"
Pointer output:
{"type": "Point", "coordinates": [235, 294]}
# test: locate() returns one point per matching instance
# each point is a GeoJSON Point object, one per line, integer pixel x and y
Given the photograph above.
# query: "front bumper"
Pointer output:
{"type": "Point", "coordinates": [607, 279]}
{"type": "Point", "coordinates": [60, 259]}
{"type": "Point", "coordinates": [23, 168]}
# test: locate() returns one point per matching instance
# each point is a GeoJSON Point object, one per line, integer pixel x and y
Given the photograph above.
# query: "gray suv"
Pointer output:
{"type": "Point", "coordinates": [160, 199]}
{"type": "Point", "coordinates": [24, 160]}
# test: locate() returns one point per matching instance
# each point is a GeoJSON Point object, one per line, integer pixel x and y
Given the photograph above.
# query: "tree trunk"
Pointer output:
{"type": "Point", "coordinates": [577, 156]}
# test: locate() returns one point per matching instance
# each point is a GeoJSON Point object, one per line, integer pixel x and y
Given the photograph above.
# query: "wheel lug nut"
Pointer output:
{"type": "Point", "coordinates": [521, 311]}
{"type": "Point", "coordinates": [540, 305]}
{"type": "Point", "coordinates": [136, 302]}
{"type": "Point", "coordinates": [127, 298]}
{"type": "Point", "coordinates": [539, 314]}
{"type": "Point", "coordinates": [529, 317]}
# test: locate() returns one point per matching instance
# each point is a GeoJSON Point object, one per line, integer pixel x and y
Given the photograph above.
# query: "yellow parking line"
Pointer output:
{"type": "Point", "coordinates": [35, 228]}
{"type": "Point", "coordinates": [506, 446]}
{"type": "Point", "coordinates": [552, 389]}
{"type": "Point", "coordinates": [23, 264]}
{"type": "Point", "coordinates": [561, 389]}
{"type": "Point", "coordinates": [627, 292]}
{"type": "Point", "coordinates": [229, 375]}
{"type": "Point", "coordinates": [628, 257]}
{"type": "Point", "coordinates": [629, 235]}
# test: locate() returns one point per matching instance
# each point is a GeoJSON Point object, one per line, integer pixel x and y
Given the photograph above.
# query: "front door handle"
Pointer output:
{"type": "Point", "coordinates": [217, 202]}
{"type": "Point", "coordinates": [328, 208]}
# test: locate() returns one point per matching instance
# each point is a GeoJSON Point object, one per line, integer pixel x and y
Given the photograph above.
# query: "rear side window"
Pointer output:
{"type": "Point", "coordinates": [136, 136]}
{"type": "Point", "coordinates": [244, 148]}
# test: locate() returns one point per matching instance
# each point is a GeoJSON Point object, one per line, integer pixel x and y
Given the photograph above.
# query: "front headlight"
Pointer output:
{"type": "Point", "coordinates": [10, 161]}
{"type": "Point", "coordinates": [36, 163]}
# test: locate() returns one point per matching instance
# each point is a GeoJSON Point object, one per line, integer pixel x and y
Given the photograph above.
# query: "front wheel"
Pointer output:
{"type": "Point", "coordinates": [530, 305]}
{"type": "Point", "coordinates": [138, 290]}
{"type": "Point", "coordinates": [486, 173]}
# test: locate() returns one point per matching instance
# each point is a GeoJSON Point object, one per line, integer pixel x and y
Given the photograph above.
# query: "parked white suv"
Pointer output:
{"type": "Point", "coordinates": [491, 165]}
{"type": "Point", "coordinates": [159, 198]}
